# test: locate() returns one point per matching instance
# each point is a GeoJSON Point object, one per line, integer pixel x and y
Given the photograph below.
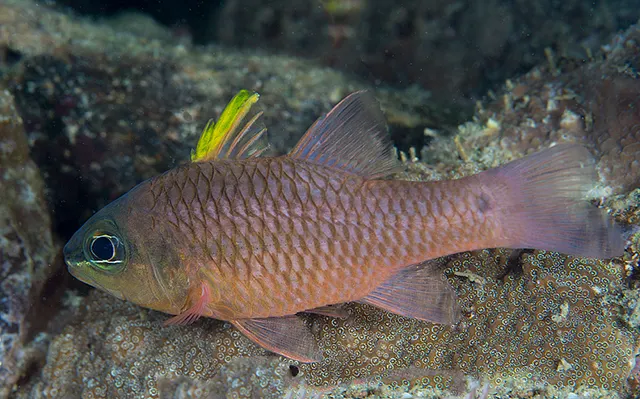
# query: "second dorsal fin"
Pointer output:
{"type": "Point", "coordinates": [353, 137]}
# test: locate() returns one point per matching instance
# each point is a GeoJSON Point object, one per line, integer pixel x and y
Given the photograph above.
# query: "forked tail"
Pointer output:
{"type": "Point", "coordinates": [544, 204]}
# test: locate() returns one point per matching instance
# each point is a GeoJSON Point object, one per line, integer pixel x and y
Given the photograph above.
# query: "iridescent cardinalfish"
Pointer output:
{"type": "Point", "coordinates": [252, 239]}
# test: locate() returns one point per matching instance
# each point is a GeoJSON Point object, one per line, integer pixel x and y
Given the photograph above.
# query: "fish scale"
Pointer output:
{"type": "Point", "coordinates": [354, 261]}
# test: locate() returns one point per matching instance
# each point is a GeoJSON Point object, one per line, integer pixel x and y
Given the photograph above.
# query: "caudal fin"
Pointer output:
{"type": "Point", "coordinates": [544, 204]}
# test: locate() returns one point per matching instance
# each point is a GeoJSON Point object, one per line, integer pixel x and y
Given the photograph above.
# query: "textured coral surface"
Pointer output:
{"type": "Point", "coordinates": [102, 111]}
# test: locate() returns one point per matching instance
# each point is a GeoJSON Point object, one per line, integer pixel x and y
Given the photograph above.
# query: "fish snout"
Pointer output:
{"type": "Point", "coordinates": [72, 251]}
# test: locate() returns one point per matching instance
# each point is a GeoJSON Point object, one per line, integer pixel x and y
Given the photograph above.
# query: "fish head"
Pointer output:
{"type": "Point", "coordinates": [117, 251]}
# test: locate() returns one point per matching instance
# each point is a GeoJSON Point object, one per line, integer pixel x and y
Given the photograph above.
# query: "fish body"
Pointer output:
{"type": "Point", "coordinates": [266, 233]}
{"type": "Point", "coordinates": [254, 240]}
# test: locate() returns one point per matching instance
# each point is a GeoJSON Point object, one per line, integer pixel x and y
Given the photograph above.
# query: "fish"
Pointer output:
{"type": "Point", "coordinates": [255, 239]}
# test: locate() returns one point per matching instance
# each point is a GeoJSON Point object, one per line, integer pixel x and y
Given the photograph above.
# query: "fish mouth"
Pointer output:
{"type": "Point", "coordinates": [73, 263]}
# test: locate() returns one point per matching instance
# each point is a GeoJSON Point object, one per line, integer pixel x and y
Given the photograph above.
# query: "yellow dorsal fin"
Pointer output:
{"type": "Point", "coordinates": [238, 133]}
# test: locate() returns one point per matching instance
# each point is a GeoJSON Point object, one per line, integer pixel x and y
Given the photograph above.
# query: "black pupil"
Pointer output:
{"type": "Point", "coordinates": [102, 248]}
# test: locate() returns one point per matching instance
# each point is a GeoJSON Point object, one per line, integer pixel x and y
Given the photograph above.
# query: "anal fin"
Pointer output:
{"type": "Point", "coordinates": [418, 291]}
{"type": "Point", "coordinates": [287, 336]}
{"type": "Point", "coordinates": [195, 311]}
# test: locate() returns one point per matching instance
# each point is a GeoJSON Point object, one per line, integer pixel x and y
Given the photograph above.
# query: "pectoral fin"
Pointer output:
{"type": "Point", "coordinates": [200, 299]}
{"type": "Point", "coordinates": [287, 336]}
{"type": "Point", "coordinates": [418, 291]}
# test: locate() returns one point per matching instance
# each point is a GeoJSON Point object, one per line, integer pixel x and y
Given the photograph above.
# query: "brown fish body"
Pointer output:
{"type": "Point", "coordinates": [255, 240]}
{"type": "Point", "coordinates": [276, 236]}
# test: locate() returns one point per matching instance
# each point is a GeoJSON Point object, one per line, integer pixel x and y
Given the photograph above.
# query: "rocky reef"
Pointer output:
{"type": "Point", "coordinates": [99, 110]}
{"type": "Point", "coordinates": [430, 43]}
{"type": "Point", "coordinates": [593, 102]}
{"type": "Point", "coordinates": [27, 251]}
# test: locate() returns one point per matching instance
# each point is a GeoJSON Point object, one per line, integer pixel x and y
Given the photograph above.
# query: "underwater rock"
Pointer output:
{"type": "Point", "coordinates": [143, 25]}
{"type": "Point", "coordinates": [26, 244]}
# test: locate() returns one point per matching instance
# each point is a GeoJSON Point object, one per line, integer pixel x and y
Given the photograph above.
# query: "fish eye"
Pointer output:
{"type": "Point", "coordinates": [106, 251]}
{"type": "Point", "coordinates": [103, 248]}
